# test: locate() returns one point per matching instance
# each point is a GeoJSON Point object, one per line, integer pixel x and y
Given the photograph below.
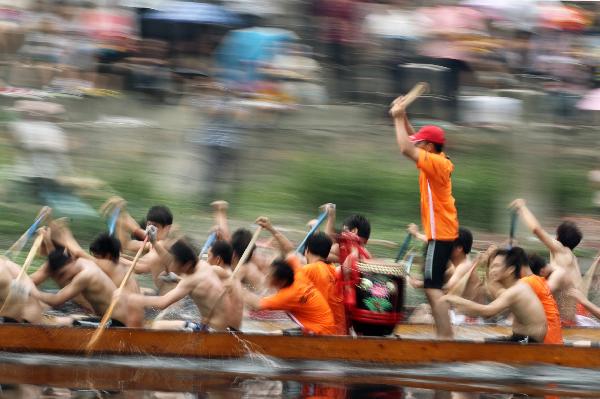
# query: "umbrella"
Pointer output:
{"type": "Point", "coordinates": [563, 17]}
{"type": "Point", "coordinates": [193, 13]}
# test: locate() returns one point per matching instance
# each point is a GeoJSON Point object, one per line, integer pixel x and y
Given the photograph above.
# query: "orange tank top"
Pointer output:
{"type": "Point", "coordinates": [540, 287]}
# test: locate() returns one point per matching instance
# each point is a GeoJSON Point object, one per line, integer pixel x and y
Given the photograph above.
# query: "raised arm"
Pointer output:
{"type": "Point", "coordinates": [534, 225]}
{"type": "Point", "coordinates": [330, 223]}
{"type": "Point", "coordinates": [220, 216]}
{"type": "Point", "coordinates": [403, 130]}
{"type": "Point", "coordinates": [285, 245]}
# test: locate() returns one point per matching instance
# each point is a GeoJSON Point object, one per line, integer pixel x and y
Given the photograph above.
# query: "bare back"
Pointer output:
{"type": "Point", "coordinates": [560, 282]}
{"type": "Point", "coordinates": [117, 272]}
{"type": "Point", "coordinates": [207, 290]}
{"type": "Point", "coordinates": [98, 289]}
{"type": "Point", "coordinates": [568, 261]}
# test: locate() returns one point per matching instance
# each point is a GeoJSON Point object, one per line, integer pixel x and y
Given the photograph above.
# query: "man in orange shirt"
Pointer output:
{"type": "Point", "coordinates": [540, 286]}
{"type": "Point", "coordinates": [438, 212]}
{"type": "Point", "coordinates": [297, 296]}
{"type": "Point", "coordinates": [324, 277]}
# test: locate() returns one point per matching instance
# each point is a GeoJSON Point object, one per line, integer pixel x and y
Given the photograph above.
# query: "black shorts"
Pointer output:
{"type": "Point", "coordinates": [95, 322]}
{"type": "Point", "coordinates": [437, 257]}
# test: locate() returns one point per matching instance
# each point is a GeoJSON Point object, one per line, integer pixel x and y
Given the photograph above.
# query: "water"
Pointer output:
{"type": "Point", "coordinates": [31, 375]}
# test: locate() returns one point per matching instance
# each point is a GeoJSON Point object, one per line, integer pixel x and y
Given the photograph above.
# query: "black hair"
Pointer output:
{"type": "Point", "coordinates": [223, 250]}
{"type": "Point", "coordinates": [240, 240]}
{"type": "Point", "coordinates": [319, 244]}
{"type": "Point", "coordinates": [160, 214]}
{"type": "Point", "coordinates": [438, 147]}
{"type": "Point", "coordinates": [106, 245]}
{"type": "Point", "coordinates": [57, 258]}
{"type": "Point", "coordinates": [464, 240]}
{"type": "Point", "coordinates": [568, 234]}
{"type": "Point", "coordinates": [283, 272]}
{"type": "Point", "coordinates": [184, 253]}
{"type": "Point", "coordinates": [515, 257]}
{"type": "Point", "coordinates": [537, 263]}
{"type": "Point", "coordinates": [361, 223]}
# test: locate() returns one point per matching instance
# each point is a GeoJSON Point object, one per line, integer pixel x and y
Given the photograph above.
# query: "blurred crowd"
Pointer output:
{"type": "Point", "coordinates": [488, 62]}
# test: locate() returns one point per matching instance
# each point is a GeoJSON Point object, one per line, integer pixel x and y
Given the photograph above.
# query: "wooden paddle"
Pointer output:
{"type": "Point", "coordinates": [113, 303]}
{"type": "Point", "coordinates": [404, 101]}
{"type": "Point", "coordinates": [20, 243]}
{"type": "Point", "coordinates": [241, 262]}
{"type": "Point", "coordinates": [30, 256]}
{"type": "Point", "coordinates": [588, 277]}
{"type": "Point", "coordinates": [320, 221]}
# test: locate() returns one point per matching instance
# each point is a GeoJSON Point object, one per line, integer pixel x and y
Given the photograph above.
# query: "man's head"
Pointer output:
{"type": "Point", "coordinates": [239, 241]}
{"type": "Point", "coordinates": [59, 260]}
{"type": "Point", "coordinates": [184, 256]}
{"type": "Point", "coordinates": [568, 234]}
{"type": "Point", "coordinates": [161, 217]}
{"type": "Point", "coordinates": [106, 246]}
{"type": "Point", "coordinates": [220, 253]}
{"type": "Point", "coordinates": [281, 275]}
{"type": "Point", "coordinates": [463, 243]}
{"type": "Point", "coordinates": [318, 245]}
{"type": "Point", "coordinates": [539, 265]}
{"type": "Point", "coordinates": [429, 138]}
{"type": "Point", "coordinates": [506, 264]}
{"type": "Point", "coordinates": [358, 225]}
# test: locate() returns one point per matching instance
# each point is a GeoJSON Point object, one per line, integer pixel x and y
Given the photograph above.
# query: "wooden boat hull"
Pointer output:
{"type": "Point", "coordinates": [136, 342]}
{"type": "Point", "coordinates": [427, 331]}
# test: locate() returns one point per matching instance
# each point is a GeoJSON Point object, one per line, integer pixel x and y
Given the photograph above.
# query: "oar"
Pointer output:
{"type": "Point", "coordinates": [20, 243]}
{"type": "Point", "coordinates": [241, 262]}
{"type": "Point", "coordinates": [30, 256]}
{"type": "Point", "coordinates": [403, 247]}
{"type": "Point", "coordinates": [588, 277]}
{"type": "Point", "coordinates": [113, 303]}
{"type": "Point", "coordinates": [320, 220]}
{"type": "Point", "coordinates": [209, 242]}
{"type": "Point", "coordinates": [112, 221]}
{"type": "Point", "coordinates": [514, 217]}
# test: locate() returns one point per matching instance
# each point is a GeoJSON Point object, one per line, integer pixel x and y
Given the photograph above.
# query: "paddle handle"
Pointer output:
{"type": "Point", "coordinates": [514, 217]}
{"type": "Point", "coordinates": [403, 247]}
{"type": "Point", "coordinates": [113, 303]}
{"type": "Point", "coordinates": [320, 221]}
{"type": "Point", "coordinates": [31, 255]}
{"type": "Point", "coordinates": [241, 262]}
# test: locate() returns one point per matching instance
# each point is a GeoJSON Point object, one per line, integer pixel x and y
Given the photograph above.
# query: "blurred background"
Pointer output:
{"type": "Point", "coordinates": [281, 106]}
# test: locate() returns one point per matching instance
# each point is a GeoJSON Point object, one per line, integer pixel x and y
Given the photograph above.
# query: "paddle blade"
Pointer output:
{"type": "Point", "coordinates": [209, 242]}
{"type": "Point", "coordinates": [320, 221]}
{"type": "Point", "coordinates": [112, 221]}
{"type": "Point", "coordinates": [408, 264]}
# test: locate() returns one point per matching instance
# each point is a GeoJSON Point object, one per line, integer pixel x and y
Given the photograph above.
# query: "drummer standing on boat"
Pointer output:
{"type": "Point", "coordinates": [438, 212]}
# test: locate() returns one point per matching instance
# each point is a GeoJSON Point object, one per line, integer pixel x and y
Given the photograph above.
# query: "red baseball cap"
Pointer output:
{"type": "Point", "coordinates": [433, 134]}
